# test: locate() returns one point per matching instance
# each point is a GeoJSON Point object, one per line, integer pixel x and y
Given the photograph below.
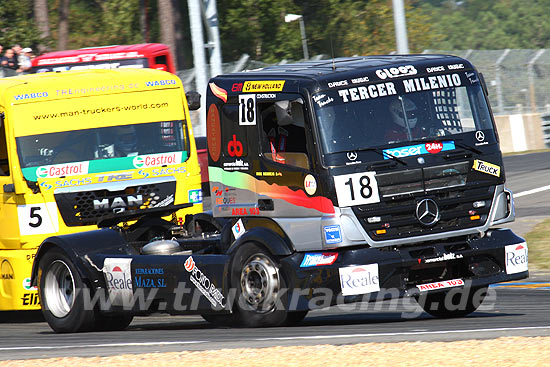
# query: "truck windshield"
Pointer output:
{"type": "Point", "coordinates": [376, 115]}
{"type": "Point", "coordinates": [122, 143]}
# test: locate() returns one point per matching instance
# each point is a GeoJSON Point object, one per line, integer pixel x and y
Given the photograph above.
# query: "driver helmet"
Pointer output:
{"type": "Point", "coordinates": [397, 113]}
{"type": "Point", "coordinates": [126, 139]}
{"type": "Point", "coordinates": [289, 112]}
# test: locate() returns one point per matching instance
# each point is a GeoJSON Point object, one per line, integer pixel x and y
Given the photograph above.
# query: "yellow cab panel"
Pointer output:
{"type": "Point", "coordinates": [81, 145]}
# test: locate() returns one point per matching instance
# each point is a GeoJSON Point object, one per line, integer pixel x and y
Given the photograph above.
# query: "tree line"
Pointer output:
{"type": "Point", "coordinates": [257, 27]}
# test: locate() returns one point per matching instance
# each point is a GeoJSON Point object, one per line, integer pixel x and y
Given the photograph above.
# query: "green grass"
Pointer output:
{"type": "Point", "coordinates": [538, 242]}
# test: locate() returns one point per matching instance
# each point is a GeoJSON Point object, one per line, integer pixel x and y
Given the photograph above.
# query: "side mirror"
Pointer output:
{"type": "Point", "coordinates": [160, 67]}
{"type": "Point", "coordinates": [193, 100]}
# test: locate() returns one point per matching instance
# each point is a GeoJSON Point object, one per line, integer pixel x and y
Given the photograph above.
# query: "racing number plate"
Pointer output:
{"type": "Point", "coordinates": [357, 189]}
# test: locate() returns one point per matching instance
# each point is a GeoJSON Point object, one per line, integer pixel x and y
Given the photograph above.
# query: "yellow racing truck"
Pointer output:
{"type": "Point", "coordinates": [80, 148]}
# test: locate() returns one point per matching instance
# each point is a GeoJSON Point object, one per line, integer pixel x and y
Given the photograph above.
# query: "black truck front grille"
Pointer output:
{"type": "Point", "coordinates": [401, 192]}
{"type": "Point", "coordinates": [86, 207]}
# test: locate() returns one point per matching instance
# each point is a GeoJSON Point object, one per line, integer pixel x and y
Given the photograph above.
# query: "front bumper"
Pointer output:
{"type": "Point", "coordinates": [399, 271]}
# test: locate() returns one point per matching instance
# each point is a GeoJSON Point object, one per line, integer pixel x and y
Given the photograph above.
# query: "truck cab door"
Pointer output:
{"type": "Point", "coordinates": [9, 228]}
{"type": "Point", "coordinates": [287, 185]}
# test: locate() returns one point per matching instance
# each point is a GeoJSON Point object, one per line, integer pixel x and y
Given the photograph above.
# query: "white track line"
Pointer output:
{"type": "Point", "coordinates": [404, 333]}
{"type": "Point", "coordinates": [144, 344]}
{"type": "Point", "coordinates": [311, 337]}
{"type": "Point", "coordinates": [533, 191]}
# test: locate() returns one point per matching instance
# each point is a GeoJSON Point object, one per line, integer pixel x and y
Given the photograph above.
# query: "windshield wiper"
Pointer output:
{"type": "Point", "coordinates": [383, 154]}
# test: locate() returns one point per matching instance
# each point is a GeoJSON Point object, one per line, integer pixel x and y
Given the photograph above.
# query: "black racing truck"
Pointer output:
{"type": "Point", "coordinates": [348, 180]}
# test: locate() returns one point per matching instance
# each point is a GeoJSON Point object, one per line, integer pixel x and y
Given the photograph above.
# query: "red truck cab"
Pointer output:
{"type": "Point", "coordinates": [145, 55]}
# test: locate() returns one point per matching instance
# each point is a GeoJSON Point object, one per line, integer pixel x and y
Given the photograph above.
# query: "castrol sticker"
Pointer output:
{"type": "Point", "coordinates": [62, 170]}
{"type": "Point", "coordinates": [440, 285]}
{"type": "Point", "coordinates": [157, 160]}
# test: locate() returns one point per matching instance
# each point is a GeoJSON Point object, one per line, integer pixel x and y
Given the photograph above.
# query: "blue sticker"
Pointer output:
{"type": "Point", "coordinates": [432, 147]}
{"type": "Point", "coordinates": [195, 196]}
{"type": "Point", "coordinates": [317, 259]}
{"type": "Point", "coordinates": [332, 234]}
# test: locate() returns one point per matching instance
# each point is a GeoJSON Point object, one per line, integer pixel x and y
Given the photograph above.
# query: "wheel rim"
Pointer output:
{"type": "Point", "coordinates": [59, 289]}
{"type": "Point", "coordinates": [260, 282]}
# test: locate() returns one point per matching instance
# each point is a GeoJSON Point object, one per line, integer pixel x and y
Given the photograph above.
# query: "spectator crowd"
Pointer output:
{"type": "Point", "coordinates": [15, 60]}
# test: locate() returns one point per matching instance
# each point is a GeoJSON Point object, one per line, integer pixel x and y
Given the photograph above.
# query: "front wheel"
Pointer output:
{"type": "Point", "coordinates": [260, 288]}
{"type": "Point", "coordinates": [61, 294]}
{"type": "Point", "coordinates": [453, 303]}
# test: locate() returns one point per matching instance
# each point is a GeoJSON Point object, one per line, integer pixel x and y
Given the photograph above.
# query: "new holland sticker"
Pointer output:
{"type": "Point", "coordinates": [263, 86]}
{"type": "Point", "coordinates": [486, 167]}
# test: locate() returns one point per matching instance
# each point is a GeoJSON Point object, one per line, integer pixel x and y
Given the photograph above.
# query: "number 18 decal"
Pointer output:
{"type": "Point", "coordinates": [247, 109]}
{"type": "Point", "coordinates": [36, 218]}
{"type": "Point", "coordinates": [357, 189]}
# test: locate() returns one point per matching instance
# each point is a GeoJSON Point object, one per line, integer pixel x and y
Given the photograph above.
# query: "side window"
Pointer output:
{"type": "Point", "coordinates": [161, 60]}
{"type": "Point", "coordinates": [4, 166]}
{"type": "Point", "coordinates": [283, 134]}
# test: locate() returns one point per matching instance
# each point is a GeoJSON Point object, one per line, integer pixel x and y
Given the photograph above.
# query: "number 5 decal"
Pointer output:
{"type": "Point", "coordinates": [247, 109]}
{"type": "Point", "coordinates": [35, 214]}
{"type": "Point", "coordinates": [37, 218]}
{"type": "Point", "coordinates": [357, 189]}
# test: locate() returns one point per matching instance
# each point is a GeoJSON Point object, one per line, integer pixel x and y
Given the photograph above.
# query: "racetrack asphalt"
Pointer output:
{"type": "Point", "coordinates": [513, 309]}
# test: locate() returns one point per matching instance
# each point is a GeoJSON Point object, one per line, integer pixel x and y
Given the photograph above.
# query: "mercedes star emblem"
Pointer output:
{"type": "Point", "coordinates": [352, 156]}
{"type": "Point", "coordinates": [480, 136]}
{"type": "Point", "coordinates": [427, 212]}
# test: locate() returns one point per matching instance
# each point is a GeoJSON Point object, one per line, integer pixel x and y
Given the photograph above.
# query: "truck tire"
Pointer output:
{"type": "Point", "coordinates": [260, 288]}
{"type": "Point", "coordinates": [443, 306]}
{"type": "Point", "coordinates": [60, 287]}
{"type": "Point", "coordinates": [222, 320]}
{"type": "Point", "coordinates": [295, 317]}
{"type": "Point", "coordinates": [114, 322]}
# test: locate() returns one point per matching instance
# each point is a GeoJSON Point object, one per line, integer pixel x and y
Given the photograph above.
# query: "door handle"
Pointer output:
{"type": "Point", "coordinates": [265, 204]}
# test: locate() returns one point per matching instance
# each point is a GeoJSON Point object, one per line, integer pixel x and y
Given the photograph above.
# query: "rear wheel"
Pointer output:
{"type": "Point", "coordinates": [113, 322]}
{"type": "Point", "coordinates": [61, 294]}
{"type": "Point", "coordinates": [453, 304]}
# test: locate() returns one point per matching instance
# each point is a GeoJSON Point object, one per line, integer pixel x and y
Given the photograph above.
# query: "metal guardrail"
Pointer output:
{"type": "Point", "coordinates": [546, 129]}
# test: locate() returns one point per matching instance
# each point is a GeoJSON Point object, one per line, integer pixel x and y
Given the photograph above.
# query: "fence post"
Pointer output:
{"type": "Point", "coordinates": [500, 100]}
{"type": "Point", "coordinates": [531, 76]}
